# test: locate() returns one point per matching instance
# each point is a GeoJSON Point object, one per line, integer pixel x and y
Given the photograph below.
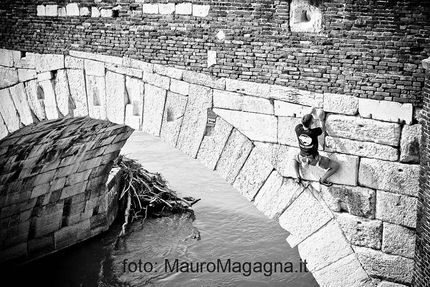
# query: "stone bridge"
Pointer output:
{"type": "Point", "coordinates": [64, 118]}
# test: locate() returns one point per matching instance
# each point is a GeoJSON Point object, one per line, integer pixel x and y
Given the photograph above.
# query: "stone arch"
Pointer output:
{"type": "Point", "coordinates": [238, 129]}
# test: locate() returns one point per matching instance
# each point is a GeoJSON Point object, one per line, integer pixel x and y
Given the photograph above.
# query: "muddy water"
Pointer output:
{"type": "Point", "coordinates": [239, 246]}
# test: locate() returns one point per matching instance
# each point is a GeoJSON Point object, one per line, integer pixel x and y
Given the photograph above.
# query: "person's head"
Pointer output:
{"type": "Point", "coordinates": [307, 120]}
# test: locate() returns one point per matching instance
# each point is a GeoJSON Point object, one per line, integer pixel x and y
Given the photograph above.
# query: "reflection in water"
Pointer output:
{"type": "Point", "coordinates": [232, 232]}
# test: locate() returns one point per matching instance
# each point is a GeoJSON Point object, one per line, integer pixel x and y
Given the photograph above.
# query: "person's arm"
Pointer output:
{"type": "Point", "coordinates": [319, 116]}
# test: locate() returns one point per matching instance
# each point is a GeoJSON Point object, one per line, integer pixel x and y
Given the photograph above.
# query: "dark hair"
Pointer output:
{"type": "Point", "coordinates": [307, 120]}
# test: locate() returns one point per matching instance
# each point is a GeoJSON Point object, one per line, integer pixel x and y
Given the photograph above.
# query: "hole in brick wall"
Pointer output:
{"type": "Point", "coordinates": [133, 8]}
{"type": "Point", "coordinates": [40, 93]}
{"type": "Point", "coordinates": [115, 13]}
{"type": "Point", "coordinates": [210, 123]}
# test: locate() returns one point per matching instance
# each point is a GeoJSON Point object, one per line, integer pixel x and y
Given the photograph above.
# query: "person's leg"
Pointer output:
{"type": "Point", "coordinates": [296, 166]}
{"type": "Point", "coordinates": [331, 167]}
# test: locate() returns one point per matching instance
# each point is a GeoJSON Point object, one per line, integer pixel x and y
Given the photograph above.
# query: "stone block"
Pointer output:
{"type": "Point", "coordinates": [390, 284]}
{"type": "Point", "coordinates": [356, 200]}
{"type": "Point", "coordinates": [361, 231]}
{"type": "Point", "coordinates": [115, 94]}
{"type": "Point", "coordinates": [150, 8]}
{"type": "Point", "coordinates": [195, 119]}
{"type": "Point", "coordinates": [137, 64]}
{"type": "Point", "coordinates": [340, 104]}
{"type": "Point", "coordinates": [126, 71]}
{"type": "Point", "coordinates": [157, 80]}
{"type": "Point", "coordinates": [95, 12]}
{"type": "Point", "coordinates": [106, 13]}
{"type": "Point", "coordinates": [84, 11]}
{"type": "Point", "coordinates": [183, 8]}
{"type": "Point", "coordinates": [286, 109]}
{"type": "Point", "coordinates": [45, 76]}
{"type": "Point", "coordinates": [97, 57]}
{"type": "Point", "coordinates": [361, 148]}
{"type": "Point", "coordinates": [213, 144]}
{"type": "Point", "coordinates": [62, 12]}
{"type": "Point", "coordinates": [94, 68]}
{"type": "Point", "coordinates": [204, 80]}
{"type": "Point", "coordinates": [326, 246]}
{"type": "Point", "coordinates": [280, 156]}
{"type": "Point", "coordinates": [386, 111]}
{"type": "Point", "coordinates": [233, 156]}
{"type": "Point", "coordinates": [345, 272]}
{"type": "Point", "coordinates": [398, 240]}
{"type": "Point", "coordinates": [257, 105]}
{"type": "Point", "coordinates": [172, 73]}
{"type": "Point", "coordinates": [41, 10]}
{"type": "Point", "coordinates": [72, 9]}
{"type": "Point", "coordinates": [49, 100]}
{"type": "Point", "coordinates": [135, 92]}
{"type": "Point", "coordinates": [73, 63]}
{"type": "Point", "coordinates": [294, 95]}
{"type": "Point", "coordinates": [51, 10]}
{"type": "Point", "coordinates": [385, 266]}
{"type": "Point", "coordinates": [48, 62]}
{"type": "Point", "coordinates": [396, 208]}
{"type": "Point", "coordinates": [227, 100]}
{"type": "Point", "coordinates": [172, 118]}
{"type": "Point", "coordinates": [34, 102]}
{"type": "Point", "coordinates": [410, 144]}
{"type": "Point", "coordinates": [69, 235]}
{"type": "Point", "coordinates": [19, 98]}
{"type": "Point", "coordinates": [26, 75]}
{"type": "Point", "coordinates": [257, 127]}
{"type": "Point", "coordinates": [6, 58]}
{"type": "Point", "coordinates": [363, 129]}
{"type": "Point", "coordinates": [253, 174]}
{"type": "Point", "coordinates": [62, 92]}
{"type": "Point", "coordinates": [167, 8]}
{"type": "Point", "coordinates": [153, 109]}
{"type": "Point", "coordinates": [179, 87]}
{"type": "Point", "coordinates": [8, 111]}
{"type": "Point", "coordinates": [24, 60]}
{"type": "Point", "coordinates": [248, 88]}
{"type": "Point", "coordinates": [390, 176]}
{"type": "Point", "coordinates": [201, 10]}
{"type": "Point", "coordinates": [286, 130]}
{"type": "Point", "coordinates": [304, 217]}
{"type": "Point", "coordinates": [8, 76]}
{"type": "Point", "coordinates": [78, 92]}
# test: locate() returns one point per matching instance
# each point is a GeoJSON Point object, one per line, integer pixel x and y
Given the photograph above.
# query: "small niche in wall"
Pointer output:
{"type": "Point", "coordinates": [305, 17]}
{"type": "Point", "coordinates": [115, 13]}
{"type": "Point", "coordinates": [23, 54]}
{"type": "Point", "coordinates": [40, 93]}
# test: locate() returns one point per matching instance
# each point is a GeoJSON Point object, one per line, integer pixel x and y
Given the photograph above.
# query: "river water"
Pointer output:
{"type": "Point", "coordinates": [238, 245]}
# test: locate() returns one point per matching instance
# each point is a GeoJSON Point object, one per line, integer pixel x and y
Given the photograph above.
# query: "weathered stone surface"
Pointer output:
{"type": "Point", "coordinates": [324, 247]}
{"type": "Point", "coordinates": [96, 97]}
{"type": "Point", "coordinates": [398, 240]}
{"type": "Point", "coordinates": [24, 60]}
{"type": "Point", "coordinates": [106, 13]}
{"type": "Point", "coordinates": [95, 12]}
{"type": "Point", "coordinates": [356, 200]}
{"type": "Point", "coordinates": [8, 76]}
{"type": "Point", "coordinates": [8, 111]}
{"type": "Point", "coordinates": [97, 57]}
{"type": "Point", "coordinates": [286, 109]}
{"type": "Point", "coordinates": [340, 104]}
{"type": "Point", "coordinates": [78, 92]}
{"type": "Point", "coordinates": [204, 80]}
{"type": "Point", "coordinates": [390, 176]}
{"type": "Point", "coordinates": [264, 201]}
{"type": "Point", "coordinates": [294, 95]}
{"type": "Point", "coordinates": [280, 156]}
{"type": "Point", "coordinates": [62, 12]}
{"type": "Point", "coordinates": [257, 105]}
{"type": "Point", "coordinates": [35, 104]}
{"type": "Point", "coordinates": [150, 8]}
{"type": "Point", "coordinates": [62, 92]}
{"type": "Point", "coordinates": [49, 62]}
{"type": "Point", "coordinates": [345, 272]}
{"type": "Point", "coordinates": [49, 100]}
{"type": "Point", "coordinates": [153, 109]}
{"type": "Point", "coordinates": [6, 58]}
{"type": "Point", "coordinates": [126, 71]}
{"type": "Point", "coordinates": [249, 88]}
{"type": "Point", "coordinates": [72, 9]}
{"type": "Point", "coordinates": [361, 148]}
{"type": "Point", "coordinates": [84, 11]}
{"type": "Point", "coordinates": [233, 156]}
{"type": "Point", "coordinates": [135, 92]}
{"type": "Point", "coordinates": [183, 8]}
{"type": "Point", "coordinates": [26, 75]}
{"type": "Point", "coordinates": [45, 76]}
{"type": "Point", "coordinates": [168, 8]}
{"type": "Point", "coordinates": [386, 110]}
{"type": "Point", "coordinates": [94, 68]}
{"type": "Point", "coordinates": [363, 129]}
{"type": "Point", "coordinates": [51, 10]}
{"type": "Point", "coordinates": [41, 10]}
{"type": "Point", "coordinates": [253, 174]}
{"type": "Point", "coordinates": [396, 208]}
{"type": "Point", "coordinates": [168, 71]}
{"type": "Point", "coordinates": [235, 101]}
{"type": "Point", "coordinates": [213, 144]}
{"type": "Point", "coordinates": [157, 80]}
{"type": "Point", "coordinates": [179, 87]}
{"type": "Point", "coordinates": [286, 131]}
{"type": "Point", "coordinates": [410, 144]}
{"type": "Point", "coordinates": [115, 96]}
{"type": "Point", "coordinates": [137, 64]}
{"type": "Point", "coordinates": [73, 63]}
{"type": "Point", "coordinates": [172, 118]}
{"type": "Point", "coordinates": [303, 217]}
{"type": "Point", "coordinates": [361, 231]}
{"type": "Point", "coordinates": [195, 119]}
{"type": "Point", "coordinates": [201, 10]}
{"type": "Point", "coordinates": [390, 284]}
{"type": "Point", "coordinates": [19, 98]}
{"type": "Point", "coordinates": [257, 127]}
{"type": "Point", "coordinates": [390, 267]}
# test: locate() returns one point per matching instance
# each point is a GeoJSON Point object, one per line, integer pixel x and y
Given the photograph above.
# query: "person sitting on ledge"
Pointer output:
{"type": "Point", "coordinates": [308, 143]}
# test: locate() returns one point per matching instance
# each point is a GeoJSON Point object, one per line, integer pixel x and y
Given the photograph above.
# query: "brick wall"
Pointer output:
{"type": "Point", "coordinates": [366, 48]}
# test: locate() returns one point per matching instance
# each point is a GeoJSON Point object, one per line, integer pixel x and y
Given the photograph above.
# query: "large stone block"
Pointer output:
{"type": "Point", "coordinates": [97, 57]}
{"type": "Point", "coordinates": [153, 109]}
{"type": "Point", "coordinates": [385, 266]}
{"type": "Point", "coordinates": [168, 71]}
{"type": "Point", "coordinates": [390, 284]}
{"type": "Point", "coordinates": [286, 109]}
{"type": "Point", "coordinates": [345, 272]}
{"type": "Point", "coordinates": [233, 156]}
{"type": "Point", "coordinates": [253, 174]}
{"type": "Point", "coordinates": [386, 111]}
{"type": "Point", "coordinates": [150, 8]}
{"type": "Point", "coordinates": [213, 144]}
{"type": "Point", "coordinates": [303, 217]}
{"type": "Point", "coordinates": [26, 75]}
{"type": "Point", "coordinates": [49, 62]}
{"type": "Point", "coordinates": [257, 127]}
{"type": "Point", "coordinates": [49, 100]}
{"type": "Point", "coordinates": [204, 80]}
{"type": "Point", "coordinates": [325, 247]}
{"type": "Point", "coordinates": [200, 10]}
{"type": "Point", "coordinates": [137, 64]}
{"type": "Point", "coordinates": [294, 95]}
{"type": "Point", "coordinates": [248, 88]}
{"type": "Point", "coordinates": [267, 199]}
{"type": "Point", "coordinates": [62, 92]}
{"type": "Point", "coordinates": [396, 208]}
{"type": "Point", "coordinates": [72, 9]}
{"type": "Point", "coordinates": [34, 102]}
{"type": "Point", "coordinates": [359, 201]}
{"type": "Point", "coordinates": [8, 76]}
{"type": "Point", "coordinates": [390, 176]}
{"type": "Point", "coordinates": [398, 240]}
{"type": "Point", "coordinates": [172, 118]}
{"type": "Point", "coordinates": [96, 96]}
{"type": "Point", "coordinates": [94, 68]}
{"type": "Point", "coordinates": [24, 60]}
{"type": "Point", "coordinates": [78, 92]}
{"type": "Point", "coordinates": [280, 156]}
{"type": "Point", "coordinates": [340, 104]}
{"type": "Point", "coordinates": [157, 80]}
{"type": "Point", "coordinates": [235, 101]}
{"type": "Point", "coordinates": [19, 98]}
{"type": "Point", "coordinates": [361, 148]}
{"type": "Point", "coordinates": [195, 119]}
{"type": "Point", "coordinates": [363, 129]}
{"type": "Point", "coordinates": [69, 235]}
{"type": "Point", "coordinates": [361, 231]}
{"type": "Point", "coordinates": [51, 10]}
{"type": "Point", "coordinates": [115, 97]}
{"type": "Point", "coordinates": [6, 58]}
{"type": "Point", "coordinates": [168, 8]}
{"type": "Point", "coordinates": [179, 87]}
{"type": "Point", "coordinates": [73, 63]}
{"type": "Point", "coordinates": [183, 8]}
{"type": "Point", "coordinates": [286, 131]}
{"type": "Point", "coordinates": [410, 144]}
